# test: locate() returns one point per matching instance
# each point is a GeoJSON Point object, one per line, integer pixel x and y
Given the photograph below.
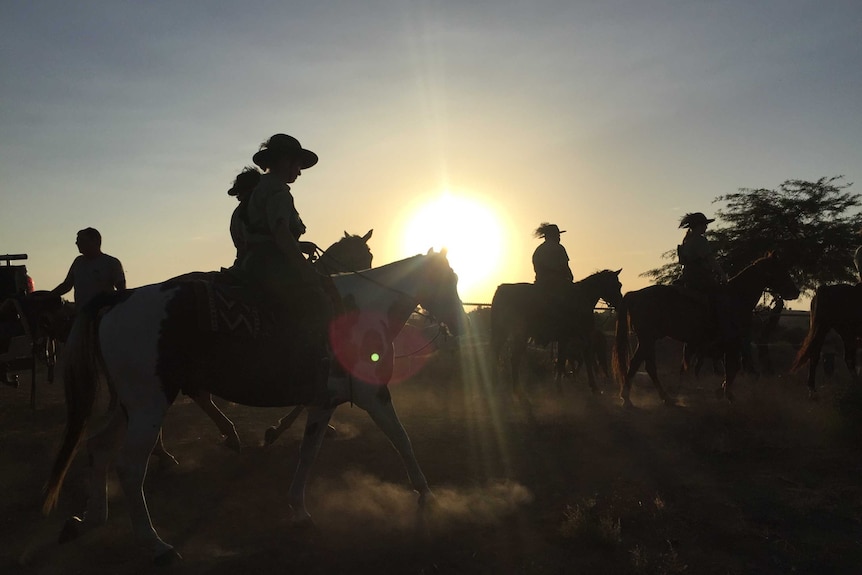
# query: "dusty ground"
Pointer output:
{"type": "Point", "coordinates": [771, 484]}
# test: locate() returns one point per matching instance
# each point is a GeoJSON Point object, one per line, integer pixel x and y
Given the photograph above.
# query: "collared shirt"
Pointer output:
{"type": "Point", "coordinates": [270, 203]}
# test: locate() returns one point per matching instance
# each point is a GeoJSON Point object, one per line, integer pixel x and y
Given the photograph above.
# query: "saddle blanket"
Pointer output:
{"type": "Point", "coordinates": [227, 309]}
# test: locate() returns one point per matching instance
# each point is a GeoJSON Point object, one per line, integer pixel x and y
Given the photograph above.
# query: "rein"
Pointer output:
{"type": "Point", "coordinates": [428, 344]}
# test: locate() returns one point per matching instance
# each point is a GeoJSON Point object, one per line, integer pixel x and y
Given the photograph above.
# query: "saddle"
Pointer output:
{"type": "Point", "coordinates": [221, 331]}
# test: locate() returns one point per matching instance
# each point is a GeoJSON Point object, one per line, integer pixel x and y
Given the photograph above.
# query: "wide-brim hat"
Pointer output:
{"type": "Point", "coordinates": [281, 145]}
{"type": "Point", "coordinates": [549, 229]}
{"type": "Point", "coordinates": [694, 219]}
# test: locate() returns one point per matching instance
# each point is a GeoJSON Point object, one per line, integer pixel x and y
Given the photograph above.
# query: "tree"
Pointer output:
{"type": "Point", "coordinates": [813, 226]}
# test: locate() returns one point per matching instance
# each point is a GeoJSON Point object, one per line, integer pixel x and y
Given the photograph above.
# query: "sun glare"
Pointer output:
{"type": "Point", "coordinates": [471, 232]}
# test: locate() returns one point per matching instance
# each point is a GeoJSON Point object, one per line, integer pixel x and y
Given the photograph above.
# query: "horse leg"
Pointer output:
{"type": "Point", "coordinates": [102, 451]}
{"type": "Point", "coordinates": [848, 338]}
{"type": "Point", "coordinates": [141, 435]}
{"type": "Point", "coordinates": [649, 357]}
{"type": "Point", "coordinates": [161, 451]}
{"type": "Point", "coordinates": [731, 369]}
{"type": "Point", "coordinates": [816, 347]}
{"type": "Point", "coordinates": [378, 404]}
{"type": "Point", "coordinates": [517, 350]}
{"type": "Point", "coordinates": [634, 365]}
{"type": "Point", "coordinates": [315, 429]}
{"type": "Point", "coordinates": [274, 432]}
{"type": "Point", "coordinates": [225, 426]}
{"type": "Point", "coordinates": [560, 365]}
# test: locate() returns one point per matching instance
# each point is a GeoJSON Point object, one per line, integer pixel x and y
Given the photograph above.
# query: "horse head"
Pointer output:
{"type": "Point", "coordinates": [438, 291]}
{"type": "Point", "coordinates": [604, 285]}
{"type": "Point", "coordinates": [774, 275]}
{"type": "Point", "coordinates": [610, 287]}
{"type": "Point", "coordinates": [350, 253]}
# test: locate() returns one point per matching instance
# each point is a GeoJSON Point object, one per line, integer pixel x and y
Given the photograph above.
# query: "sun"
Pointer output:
{"type": "Point", "coordinates": [472, 233]}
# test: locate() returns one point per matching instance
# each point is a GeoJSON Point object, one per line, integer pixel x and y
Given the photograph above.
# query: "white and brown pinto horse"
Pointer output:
{"type": "Point", "coordinates": [127, 342]}
{"type": "Point", "coordinates": [349, 253]}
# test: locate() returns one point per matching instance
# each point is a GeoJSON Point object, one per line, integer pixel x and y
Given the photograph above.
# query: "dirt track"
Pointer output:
{"type": "Point", "coordinates": [770, 484]}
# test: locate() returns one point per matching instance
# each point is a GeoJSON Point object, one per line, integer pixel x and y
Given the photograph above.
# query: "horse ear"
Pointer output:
{"type": "Point", "coordinates": [430, 251]}
{"type": "Point", "coordinates": [618, 271]}
{"type": "Point", "coordinates": [346, 235]}
{"type": "Point", "coordinates": [367, 236]}
{"type": "Point", "coordinates": [443, 251]}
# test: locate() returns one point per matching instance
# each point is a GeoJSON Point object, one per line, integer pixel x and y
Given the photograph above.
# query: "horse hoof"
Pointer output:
{"type": "Point", "coordinates": [669, 401]}
{"type": "Point", "coordinates": [270, 435]}
{"type": "Point", "coordinates": [233, 443]}
{"type": "Point", "coordinates": [812, 395]}
{"type": "Point", "coordinates": [331, 431]}
{"type": "Point", "coordinates": [427, 500]}
{"type": "Point", "coordinates": [303, 523]}
{"type": "Point", "coordinates": [71, 530]}
{"type": "Point", "coordinates": [719, 393]}
{"type": "Point", "coordinates": [626, 402]}
{"type": "Point", "coordinates": [169, 557]}
{"type": "Point", "coordinates": [165, 457]}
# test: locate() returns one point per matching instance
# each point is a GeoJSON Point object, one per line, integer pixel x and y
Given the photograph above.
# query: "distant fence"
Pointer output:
{"type": "Point", "coordinates": [787, 312]}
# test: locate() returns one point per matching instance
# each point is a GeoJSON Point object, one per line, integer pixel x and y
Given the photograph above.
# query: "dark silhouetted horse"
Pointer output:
{"type": "Point", "coordinates": [837, 307]}
{"type": "Point", "coordinates": [522, 311]}
{"type": "Point", "coordinates": [660, 311]}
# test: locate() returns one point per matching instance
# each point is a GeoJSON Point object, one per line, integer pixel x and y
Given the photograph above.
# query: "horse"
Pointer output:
{"type": "Point", "coordinates": [659, 311]}
{"type": "Point", "coordinates": [349, 253]}
{"type": "Point", "coordinates": [838, 307]}
{"type": "Point", "coordinates": [149, 345]}
{"type": "Point", "coordinates": [520, 311]}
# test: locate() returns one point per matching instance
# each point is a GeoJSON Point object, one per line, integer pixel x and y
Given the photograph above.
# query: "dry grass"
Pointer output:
{"type": "Point", "coordinates": [567, 483]}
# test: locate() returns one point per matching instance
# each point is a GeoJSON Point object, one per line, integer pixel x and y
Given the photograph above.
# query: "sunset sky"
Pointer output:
{"type": "Point", "coordinates": [462, 124]}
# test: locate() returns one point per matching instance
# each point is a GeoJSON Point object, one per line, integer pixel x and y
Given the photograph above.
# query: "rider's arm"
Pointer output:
{"type": "Point", "coordinates": [67, 283]}
{"type": "Point", "coordinates": [290, 248]}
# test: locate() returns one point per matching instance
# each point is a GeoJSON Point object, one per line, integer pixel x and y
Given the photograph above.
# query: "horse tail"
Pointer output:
{"type": "Point", "coordinates": [80, 377]}
{"type": "Point", "coordinates": [815, 334]}
{"type": "Point", "coordinates": [621, 341]}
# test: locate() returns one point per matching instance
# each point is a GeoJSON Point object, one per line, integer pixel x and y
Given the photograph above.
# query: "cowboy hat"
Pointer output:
{"type": "Point", "coordinates": [281, 145]}
{"type": "Point", "coordinates": [545, 229]}
{"type": "Point", "coordinates": [691, 220]}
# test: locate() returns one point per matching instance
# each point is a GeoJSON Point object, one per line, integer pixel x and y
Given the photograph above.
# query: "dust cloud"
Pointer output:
{"type": "Point", "coordinates": [361, 498]}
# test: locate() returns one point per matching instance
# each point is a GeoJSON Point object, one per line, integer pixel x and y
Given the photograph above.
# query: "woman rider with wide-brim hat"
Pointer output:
{"type": "Point", "coordinates": [273, 262]}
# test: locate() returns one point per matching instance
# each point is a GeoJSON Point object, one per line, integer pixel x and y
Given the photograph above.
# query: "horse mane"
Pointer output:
{"type": "Point", "coordinates": [768, 256]}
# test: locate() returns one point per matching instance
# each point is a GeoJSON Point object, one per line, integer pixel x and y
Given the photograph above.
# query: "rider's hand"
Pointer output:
{"type": "Point", "coordinates": [309, 249]}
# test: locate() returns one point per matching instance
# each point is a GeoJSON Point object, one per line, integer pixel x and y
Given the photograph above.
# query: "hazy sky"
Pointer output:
{"type": "Point", "coordinates": [610, 118]}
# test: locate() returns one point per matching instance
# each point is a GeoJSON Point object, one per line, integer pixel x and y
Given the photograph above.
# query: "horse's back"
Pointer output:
{"type": "Point", "coordinates": [837, 304]}
{"type": "Point", "coordinates": [665, 310]}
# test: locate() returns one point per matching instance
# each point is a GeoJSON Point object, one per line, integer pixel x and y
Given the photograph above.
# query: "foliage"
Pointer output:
{"type": "Point", "coordinates": [813, 226]}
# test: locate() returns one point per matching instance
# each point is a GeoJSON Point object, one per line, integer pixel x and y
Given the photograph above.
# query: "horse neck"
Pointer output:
{"type": "Point", "coordinates": [748, 285]}
{"type": "Point", "coordinates": [390, 289]}
{"type": "Point", "coordinates": [589, 290]}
